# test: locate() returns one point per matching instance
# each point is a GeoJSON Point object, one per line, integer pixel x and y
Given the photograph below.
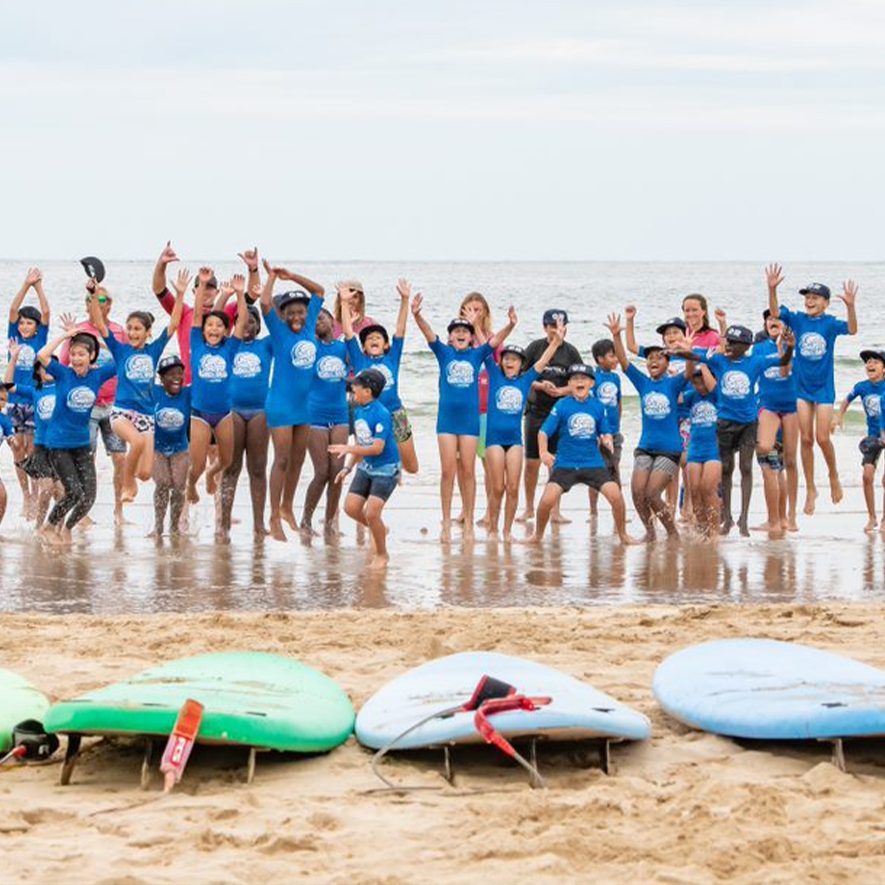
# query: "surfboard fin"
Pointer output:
{"type": "Point", "coordinates": [181, 742]}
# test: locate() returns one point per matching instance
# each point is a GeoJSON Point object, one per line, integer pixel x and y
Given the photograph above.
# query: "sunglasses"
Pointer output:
{"type": "Point", "coordinates": [102, 299]}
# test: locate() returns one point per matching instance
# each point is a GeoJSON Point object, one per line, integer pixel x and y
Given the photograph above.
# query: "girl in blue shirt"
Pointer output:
{"type": "Point", "coordinates": [703, 463]}
{"type": "Point", "coordinates": [213, 348]}
{"type": "Point", "coordinates": [250, 377]}
{"type": "Point", "coordinates": [457, 422]}
{"type": "Point", "coordinates": [293, 334]}
{"type": "Point", "coordinates": [329, 424]}
{"type": "Point", "coordinates": [132, 417]}
{"type": "Point", "coordinates": [379, 352]}
{"type": "Point", "coordinates": [816, 333]}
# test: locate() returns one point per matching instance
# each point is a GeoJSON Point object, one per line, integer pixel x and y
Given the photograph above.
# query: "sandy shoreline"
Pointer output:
{"type": "Point", "coordinates": [685, 807]}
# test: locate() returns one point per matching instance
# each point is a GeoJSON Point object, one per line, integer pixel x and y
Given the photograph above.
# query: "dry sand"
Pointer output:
{"type": "Point", "coordinates": [685, 807]}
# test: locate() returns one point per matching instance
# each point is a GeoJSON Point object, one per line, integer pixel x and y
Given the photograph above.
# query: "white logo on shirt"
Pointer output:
{"type": "Point", "coordinates": [331, 368]}
{"type": "Point", "coordinates": [872, 405]}
{"type": "Point", "coordinates": [169, 419]}
{"type": "Point", "coordinates": [246, 364]}
{"type": "Point", "coordinates": [656, 405]}
{"type": "Point", "coordinates": [509, 399]}
{"type": "Point", "coordinates": [812, 346]}
{"type": "Point", "coordinates": [581, 426]}
{"type": "Point", "coordinates": [607, 393]}
{"type": "Point", "coordinates": [26, 357]}
{"type": "Point", "coordinates": [362, 432]}
{"type": "Point", "coordinates": [459, 373]}
{"type": "Point", "coordinates": [704, 413]}
{"type": "Point", "coordinates": [45, 407]}
{"type": "Point", "coordinates": [773, 373]}
{"type": "Point", "coordinates": [735, 385]}
{"type": "Point", "coordinates": [139, 367]}
{"type": "Point", "coordinates": [385, 371]}
{"type": "Point", "coordinates": [212, 367]}
{"type": "Point", "coordinates": [80, 399]}
{"type": "Point", "coordinates": [304, 354]}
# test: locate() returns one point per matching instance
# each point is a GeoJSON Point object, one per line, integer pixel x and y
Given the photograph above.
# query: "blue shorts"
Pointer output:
{"type": "Point", "coordinates": [248, 414]}
{"type": "Point", "coordinates": [366, 485]}
{"type": "Point", "coordinates": [213, 419]}
{"type": "Point", "coordinates": [702, 456]}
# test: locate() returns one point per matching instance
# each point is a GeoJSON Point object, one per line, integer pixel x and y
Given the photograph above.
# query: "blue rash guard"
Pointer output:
{"type": "Point", "coordinates": [815, 353]}
{"type": "Point", "coordinates": [703, 443]}
{"type": "Point", "coordinates": [458, 387]}
{"type": "Point", "coordinates": [607, 390]}
{"type": "Point", "coordinates": [658, 400]}
{"type": "Point", "coordinates": [870, 393]}
{"type": "Point", "coordinates": [327, 401]}
{"type": "Point", "coordinates": [43, 401]}
{"type": "Point", "coordinates": [387, 365]}
{"type": "Point", "coordinates": [6, 429]}
{"type": "Point", "coordinates": [27, 358]}
{"type": "Point", "coordinates": [579, 425]}
{"type": "Point", "coordinates": [211, 373]}
{"type": "Point", "coordinates": [507, 399]}
{"type": "Point", "coordinates": [736, 383]}
{"type": "Point", "coordinates": [135, 372]}
{"type": "Point", "coordinates": [294, 354]}
{"type": "Point", "coordinates": [172, 415]}
{"type": "Point", "coordinates": [371, 422]}
{"type": "Point", "coordinates": [251, 374]}
{"type": "Point", "coordinates": [74, 398]}
{"type": "Point", "coordinates": [777, 392]}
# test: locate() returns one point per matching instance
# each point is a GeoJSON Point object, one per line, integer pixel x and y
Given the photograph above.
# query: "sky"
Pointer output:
{"type": "Point", "coordinates": [444, 130]}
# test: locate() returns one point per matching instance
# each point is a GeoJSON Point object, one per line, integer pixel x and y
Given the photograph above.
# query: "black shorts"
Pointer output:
{"type": "Point", "coordinates": [735, 437]}
{"type": "Point", "coordinates": [365, 485]}
{"type": "Point", "coordinates": [613, 458]}
{"type": "Point", "coordinates": [870, 449]}
{"type": "Point", "coordinates": [531, 425]}
{"type": "Point", "coordinates": [595, 477]}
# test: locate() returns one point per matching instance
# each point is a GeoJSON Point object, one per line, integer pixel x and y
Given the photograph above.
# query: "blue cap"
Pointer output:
{"type": "Point", "coordinates": [816, 289]}
{"type": "Point", "coordinates": [581, 369]}
{"type": "Point", "coordinates": [553, 316]}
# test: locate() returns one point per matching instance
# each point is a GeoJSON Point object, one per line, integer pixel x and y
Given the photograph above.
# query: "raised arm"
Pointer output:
{"type": "Point", "coordinates": [14, 351]}
{"type": "Point", "coordinates": [45, 313]}
{"type": "Point", "coordinates": [44, 355]}
{"type": "Point", "coordinates": [167, 257]}
{"type": "Point", "coordinates": [299, 280]}
{"type": "Point", "coordinates": [204, 276]}
{"type": "Point", "coordinates": [404, 289]}
{"type": "Point", "coordinates": [630, 316]}
{"type": "Point", "coordinates": [722, 321]}
{"type": "Point", "coordinates": [774, 276]}
{"type": "Point", "coordinates": [552, 347]}
{"type": "Point", "coordinates": [344, 299]}
{"type": "Point", "coordinates": [95, 314]}
{"type": "Point", "coordinates": [182, 281]}
{"type": "Point", "coordinates": [250, 259]}
{"type": "Point", "coordinates": [423, 325]}
{"type": "Point", "coordinates": [30, 280]}
{"type": "Point", "coordinates": [239, 283]}
{"type": "Point", "coordinates": [501, 335]}
{"type": "Point", "coordinates": [266, 300]}
{"type": "Point", "coordinates": [849, 297]}
{"type": "Point", "coordinates": [614, 326]}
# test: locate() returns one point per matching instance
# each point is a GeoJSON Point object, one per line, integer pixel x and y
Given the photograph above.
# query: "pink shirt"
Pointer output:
{"type": "Point", "coordinates": [707, 339]}
{"type": "Point", "coordinates": [108, 390]}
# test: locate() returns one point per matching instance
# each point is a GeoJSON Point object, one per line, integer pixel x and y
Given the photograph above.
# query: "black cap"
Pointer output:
{"type": "Point", "coordinates": [29, 312]}
{"type": "Point", "coordinates": [553, 316]}
{"type": "Point", "coordinates": [676, 322]}
{"type": "Point", "coordinates": [581, 369]}
{"type": "Point", "coordinates": [374, 327]}
{"type": "Point", "coordinates": [285, 298]}
{"type": "Point", "coordinates": [459, 323]}
{"type": "Point", "coordinates": [873, 355]}
{"type": "Point", "coordinates": [253, 311]}
{"type": "Point", "coordinates": [169, 362]}
{"type": "Point", "coordinates": [656, 348]}
{"type": "Point", "coordinates": [739, 335]}
{"type": "Point", "coordinates": [93, 267]}
{"type": "Point", "coordinates": [816, 289]}
{"type": "Point", "coordinates": [373, 380]}
{"type": "Point", "coordinates": [514, 349]}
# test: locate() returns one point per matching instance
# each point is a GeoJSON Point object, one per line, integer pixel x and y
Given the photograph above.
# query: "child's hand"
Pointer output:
{"type": "Point", "coordinates": [630, 312]}
{"type": "Point", "coordinates": [720, 315]}
{"type": "Point", "coordinates": [614, 322]}
{"type": "Point", "coordinates": [417, 304]}
{"type": "Point", "coordinates": [345, 296]}
{"type": "Point", "coordinates": [548, 459]}
{"type": "Point", "coordinates": [182, 281]}
{"type": "Point", "coordinates": [337, 449]}
{"type": "Point", "coordinates": [256, 291]}
{"type": "Point", "coordinates": [559, 332]}
{"type": "Point", "coordinates": [836, 422]}
{"type": "Point", "coordinates": [849, 293]}
{"type": "Point", "coordinates": [14, 349]}
{"type": "Point", "coordinates": [679, 344]}
{"type": "Point", "coordinates": [404, 288]}
{"type": "Point", "coordinates": [68, 323]}
{"type": "Point", "coordinates": [512, 318]}
{"type": "Point", "coordinates": [774, 276]}
{"type": "Point", "coordinates": [34, 276]}
{"type": "Point", "coordinates": [238, 284]}
{"type": "Point", "coordinates": [607, 442]}
{"type": "Point", "coordinates": [267, 268]}
{"type": "Point", "coordinates": [250, 257]}
{"type": "Point", "coordinates": [226, 289]}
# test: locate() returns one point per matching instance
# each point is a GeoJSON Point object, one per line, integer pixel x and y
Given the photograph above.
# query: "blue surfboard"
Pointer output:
{"type": "Point", "coordinates": [769, 690]}
{"type": "Point", "coordinates": [577, 711]}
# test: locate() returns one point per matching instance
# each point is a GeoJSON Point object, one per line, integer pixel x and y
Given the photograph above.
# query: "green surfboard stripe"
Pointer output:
{"type": "Point", "coordinates": [250, 698]}
{"type": "Point", "coordinates": [19, 700]}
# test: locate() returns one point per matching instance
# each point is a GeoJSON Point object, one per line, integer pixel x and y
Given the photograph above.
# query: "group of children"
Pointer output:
{"type": "Point", "coordinates": [321, 378]}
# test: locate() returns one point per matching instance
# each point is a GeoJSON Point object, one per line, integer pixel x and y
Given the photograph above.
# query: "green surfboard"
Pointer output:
{"type": "Point", "coordinates": [251, 699]}
{"type": "Point", "coordinates": [19, 700]}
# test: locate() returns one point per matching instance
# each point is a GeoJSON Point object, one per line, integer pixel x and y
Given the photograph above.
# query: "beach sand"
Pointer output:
{"type": "Point", "coordinates": [684, 807]}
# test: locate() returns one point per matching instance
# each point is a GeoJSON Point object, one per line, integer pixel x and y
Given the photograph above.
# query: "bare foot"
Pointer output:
{"type": "Point", "coordinates": [331, 530]}
{"type": "Point", "coordinates": [211, 483]}
{"type": "Point", "coordinates": [276, 529]}
{"type": "Point", "coordinates": [792, 525]}
{"type": "Point", "coordinates": [193, 495]}
{"type": "Point", "coordinates": [526, 516]}
{"type": "Point", "coordinates": [742, 527]}
{"type": "Point", "coordinates": [777, 534]}
{"type": "Point", "coordinates": [810, 500]}
{"type": "Point", "coordinates": [508, 537]}
{"type": "Point", "coordinates": [222, 536]}
{"type": "Point", "coordinates": [288, 517]}
{"type": "Point", "coordinates": [725, 528]}
{"type": "Point", "coordinates": [87, 522]}
{"type": "Point", "coordinates": [259, 533]}
{"type": "Point", "coordinates": [308, 531]}
{"type": "Point", "coordinates": [445, 534]}
{"type": "Point", "coordinates": [559, 519]}
{"type": "Point", "coordinates": [468, 534]}
{"type": "Point", "coordinates": [871, 527]}
{"type": "Point", "coordinates": [129, 493]}
{"type": "Point", "coordinates": [379, 561]}
{"type": "Point", "coordinates": [762, 527]}
{"type": "Point", "coordinates": [629, 540]}
{"type": "Point", "coordinates": [483, 522]}
{"type": "Point", "coordinates": [835, 489]}
{"type": "Point", "coordinates": [458, 519]}
{"type": "Point", "coordinates": [531, 541]}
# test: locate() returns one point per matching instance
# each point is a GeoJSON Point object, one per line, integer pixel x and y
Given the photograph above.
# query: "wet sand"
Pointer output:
{"type": "Point", "coordinates": [684, 807]}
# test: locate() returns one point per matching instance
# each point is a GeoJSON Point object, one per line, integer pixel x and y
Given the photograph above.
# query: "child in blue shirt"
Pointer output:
{"type": "Point", "coordinates": [380, 352]}
{"type": "Point", "coordinates": [870, 394]}
{"type": "Point", "coordinates": [508, 392]}
{"type": "Point", "coordinates": [656, 459]}
{"type": "Point", "coordinates": [583, 428]}
{"type": "Point", "coordinates": [376, 457]}
{"type": "Point", "coordinates": [457, 422]}
{"type": "Point", "coordinates": [172, 415]}
{"type": "Point", "coordinates": [607, 390]}
{"type": "Point", "coordinates": [816, 332]}
{"type": "Point", "coordinates": [703, 463]}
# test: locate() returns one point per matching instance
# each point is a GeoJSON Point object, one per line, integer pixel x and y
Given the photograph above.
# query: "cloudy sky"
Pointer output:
{"type": "Point", "coordinates": [393, 129]}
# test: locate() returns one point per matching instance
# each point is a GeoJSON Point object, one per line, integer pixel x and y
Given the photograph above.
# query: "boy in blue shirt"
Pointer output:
{"type": "Point", "coordinates": [377, 458]}
{"type": "Point", "coordinates": [816, 332]}
{"type": "Point", "coordinates": [172, 415]}
{"type": "Point", "coordinates": [870, 394]}
{"type": "Point", "coordinates": [703, 464]}
{"type": "Point", "coordinates": [607, 390]}
{"type": "Point", "coordinates": [457, 421]}
{"type": "Point", "coordinates": [583, 426]}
